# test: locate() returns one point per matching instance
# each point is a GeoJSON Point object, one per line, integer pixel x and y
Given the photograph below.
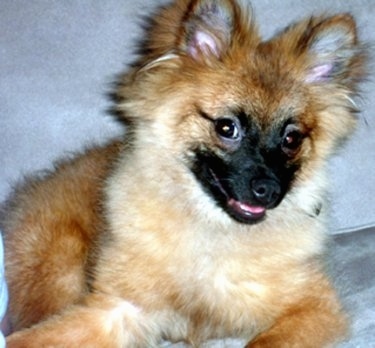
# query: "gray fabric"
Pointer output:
{"type": "Point", "coordinates": [353, 264]}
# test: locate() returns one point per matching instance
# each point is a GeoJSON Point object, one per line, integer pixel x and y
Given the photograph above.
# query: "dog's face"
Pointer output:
{"type": "Point", "coordinates": [250, 119]}
{"type": "Point", "coordinates": [247, 168]}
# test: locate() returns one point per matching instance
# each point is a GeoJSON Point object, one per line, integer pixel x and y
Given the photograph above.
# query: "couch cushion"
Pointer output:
{"type": "Point", "coordinates": [353, 267]}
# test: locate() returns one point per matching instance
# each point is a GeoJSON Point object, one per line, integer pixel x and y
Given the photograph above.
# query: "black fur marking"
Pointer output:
{"type": "Point", "coordinates": [256, 175]}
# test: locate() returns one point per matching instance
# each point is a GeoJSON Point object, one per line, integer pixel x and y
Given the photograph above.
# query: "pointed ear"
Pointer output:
{"type": "Point", "coordinates": [200, 29]}
{"type": "Point", "coordinates": [332, 50]}
{"type": "Point", "coordinates": [209, 27]}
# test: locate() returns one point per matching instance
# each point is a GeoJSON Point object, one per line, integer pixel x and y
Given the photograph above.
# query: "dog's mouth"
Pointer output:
{"type": "Point", "coordinates": [240, 210]}
{"type": "Point", "coordinates": [247, 211]}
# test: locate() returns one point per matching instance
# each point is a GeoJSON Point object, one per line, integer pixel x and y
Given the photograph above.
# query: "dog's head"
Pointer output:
{"type": "Point", "coordinates": [251, 119]}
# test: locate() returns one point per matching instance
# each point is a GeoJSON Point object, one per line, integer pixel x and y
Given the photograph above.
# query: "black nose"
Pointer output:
{"type": "Point", "coordinates": [266, 191]}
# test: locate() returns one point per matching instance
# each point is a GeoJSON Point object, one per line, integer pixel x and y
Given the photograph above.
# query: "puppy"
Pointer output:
{"type": "Point", "coordinates": [208, 219]}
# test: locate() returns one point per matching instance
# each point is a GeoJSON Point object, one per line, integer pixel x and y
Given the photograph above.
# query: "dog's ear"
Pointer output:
{"type": "Point", "coordinates": [201, 29]}
{"type": "Point", "coordinates": [211, 25]}
{"type": "Point", "coordinates": [329, 50]}
{"type": "Point", "coordinates": [208, 28]}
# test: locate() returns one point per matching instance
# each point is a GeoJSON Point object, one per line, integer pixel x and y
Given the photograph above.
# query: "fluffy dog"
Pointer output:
{"type": "Point", "coordinates": [208, 220]}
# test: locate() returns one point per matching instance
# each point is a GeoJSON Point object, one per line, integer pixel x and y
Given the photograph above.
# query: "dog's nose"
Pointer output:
{"type": "Point", "coordinates": [266, 191]}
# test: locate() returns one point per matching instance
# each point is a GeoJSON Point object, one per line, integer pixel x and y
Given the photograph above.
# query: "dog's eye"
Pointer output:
{"type": "Point", "coordinates": [228, 129]}
{"type": "Point", "coordinates": [292, 140]}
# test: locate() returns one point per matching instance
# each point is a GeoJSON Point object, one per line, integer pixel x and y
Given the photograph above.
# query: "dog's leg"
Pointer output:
{"type": "Point", "coordinates": [100, 322]}
{"type": "Point", "coordinates": [316, 321]}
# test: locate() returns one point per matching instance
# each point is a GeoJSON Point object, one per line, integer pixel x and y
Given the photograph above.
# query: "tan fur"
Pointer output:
{"type": "Point", "coordinates": [121, 247]}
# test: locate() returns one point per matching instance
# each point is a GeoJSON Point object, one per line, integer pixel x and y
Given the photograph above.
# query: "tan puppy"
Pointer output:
{"type": "Point", "coordinates": [208, 221]}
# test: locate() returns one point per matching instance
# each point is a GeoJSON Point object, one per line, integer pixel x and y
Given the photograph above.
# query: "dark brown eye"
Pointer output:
{"type": "Point", "coordinates": [292, 140]}
{"type": "Point", "coordinates": [227, 128]}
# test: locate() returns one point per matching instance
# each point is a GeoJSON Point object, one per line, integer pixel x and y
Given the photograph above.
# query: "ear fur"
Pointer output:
{"type": "Point", "coordinates": [330, 50]}
{"type": "Point", "coordinates": [200, 29]}
{"type": "Point", "coordinates": [208, 29]}
{"type": "Point", "coordinates": [211, 25]}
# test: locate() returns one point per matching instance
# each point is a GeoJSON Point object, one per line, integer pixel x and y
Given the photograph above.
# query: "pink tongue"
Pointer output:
{"type": "Point", "coordinates": [246, 208]}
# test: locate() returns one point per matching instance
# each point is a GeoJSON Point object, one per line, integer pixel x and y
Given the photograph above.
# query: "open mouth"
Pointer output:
{"type": "Point", "coordinates": [240, 210]}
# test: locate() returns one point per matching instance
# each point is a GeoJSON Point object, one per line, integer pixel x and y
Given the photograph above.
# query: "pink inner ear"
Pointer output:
{"type": "Point", "coordinates": [319, 73]}
{"type": "Point", "coordinates": [204, 43]}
